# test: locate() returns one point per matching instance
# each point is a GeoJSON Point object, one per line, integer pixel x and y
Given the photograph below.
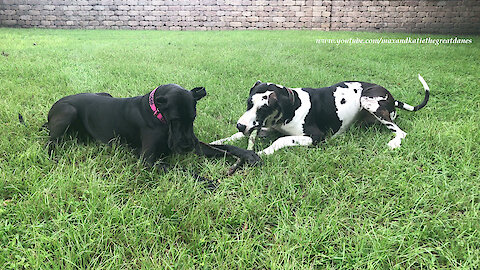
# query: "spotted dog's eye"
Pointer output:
{"type": "Point", "coordinates": [264, 97]}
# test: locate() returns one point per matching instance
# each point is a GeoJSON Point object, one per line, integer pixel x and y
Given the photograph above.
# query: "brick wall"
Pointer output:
{"type": "Point", "coordinates": [433, 16]}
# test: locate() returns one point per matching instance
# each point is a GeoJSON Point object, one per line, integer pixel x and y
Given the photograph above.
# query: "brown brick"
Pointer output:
{"type": "Point", "coordinates": [390, 9]}
{"type": "Point", "coordinates": [374, 8]}
{"type": "Point", "coordinates": [412, 15]}
{"type": "Point", "coordinates": [235, 24]}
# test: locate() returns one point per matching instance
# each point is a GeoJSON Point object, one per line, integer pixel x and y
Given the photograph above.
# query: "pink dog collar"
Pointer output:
{"type": "Point", "coordinates": [154, 108]}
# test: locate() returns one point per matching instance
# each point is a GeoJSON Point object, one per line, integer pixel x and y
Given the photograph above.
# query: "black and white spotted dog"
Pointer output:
{"type": "Point", "coordinates": [306, 115]}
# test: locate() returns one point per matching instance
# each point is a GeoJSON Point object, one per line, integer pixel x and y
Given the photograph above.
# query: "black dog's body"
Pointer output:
{"type": "Point", "coordinates": [104, 118]}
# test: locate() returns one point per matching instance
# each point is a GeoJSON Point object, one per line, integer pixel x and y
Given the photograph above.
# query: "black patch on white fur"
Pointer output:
{"type": "Point", "coordinates": [263, 113]}
{"type": "Point", "coordinates": [323, 114]}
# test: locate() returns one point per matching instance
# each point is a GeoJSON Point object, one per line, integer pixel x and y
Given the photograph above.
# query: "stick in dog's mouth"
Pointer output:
{"type": "Point", "coordinates": [251, 139]}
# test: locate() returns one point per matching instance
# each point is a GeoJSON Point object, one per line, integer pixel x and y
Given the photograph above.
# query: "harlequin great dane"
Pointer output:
{"type": "Point", "coordinates": [157, 124]}
{"type": "Point", "coordinates": [306, 115]}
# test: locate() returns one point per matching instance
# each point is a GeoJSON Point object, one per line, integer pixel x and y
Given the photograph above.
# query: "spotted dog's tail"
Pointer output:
{"type": "Point", "coordinates": [407, 107]}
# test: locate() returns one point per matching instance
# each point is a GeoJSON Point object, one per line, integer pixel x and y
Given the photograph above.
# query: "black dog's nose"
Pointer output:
{"type": "Point", "coordinates": [241, 127]}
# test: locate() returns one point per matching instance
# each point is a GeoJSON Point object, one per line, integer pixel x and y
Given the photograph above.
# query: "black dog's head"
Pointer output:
{"type": "Point", "coordinates": [268, 104]}
{"type": "Point", "coordinates": [178, 107]}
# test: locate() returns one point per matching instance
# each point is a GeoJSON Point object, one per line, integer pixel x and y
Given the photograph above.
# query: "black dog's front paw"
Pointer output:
{"type": "Point", "coordinates": [252, 158]}
{"type": "Point", "coordinates": [248, 156]}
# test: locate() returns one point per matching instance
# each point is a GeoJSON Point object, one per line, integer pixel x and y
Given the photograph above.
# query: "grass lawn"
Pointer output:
{"type": "Point", "coordinates": [348, 203]}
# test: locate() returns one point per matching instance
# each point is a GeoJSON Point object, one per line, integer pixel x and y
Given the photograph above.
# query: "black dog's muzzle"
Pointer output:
{"type": "Point", "coordinates": [181, 138]}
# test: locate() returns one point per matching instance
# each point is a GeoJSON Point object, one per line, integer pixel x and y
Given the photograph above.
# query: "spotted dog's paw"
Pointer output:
{"type": "Point", "coordinates": [267, 151]}
{"type": "Point", "coordinates": [395, 143]}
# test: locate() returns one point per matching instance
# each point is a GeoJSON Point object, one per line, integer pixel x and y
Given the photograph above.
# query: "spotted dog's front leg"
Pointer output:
{"type": "Point", "coordinates": [384, 116]}
{"type": "Point", "coordinates": [286, 141]}
{"type": "Point", "coordinates": [234, 137]}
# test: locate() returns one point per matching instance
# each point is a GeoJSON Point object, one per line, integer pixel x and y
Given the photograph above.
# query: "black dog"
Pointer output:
{"type": "Point", "coordinates": [156, 124]}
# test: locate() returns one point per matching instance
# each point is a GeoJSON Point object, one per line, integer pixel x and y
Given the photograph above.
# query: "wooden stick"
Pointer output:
{"type": "Point", "coordinates": [251, 143]}
{"type": "Point", "coordinates": [251, 139]}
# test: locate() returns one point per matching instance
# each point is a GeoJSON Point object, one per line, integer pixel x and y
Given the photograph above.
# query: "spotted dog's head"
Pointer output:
{"type": "Point", "coordinates": [268, 105]}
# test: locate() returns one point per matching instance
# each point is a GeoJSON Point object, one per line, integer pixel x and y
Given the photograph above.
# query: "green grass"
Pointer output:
{"type": "Point", "coordinates": [348, 203]}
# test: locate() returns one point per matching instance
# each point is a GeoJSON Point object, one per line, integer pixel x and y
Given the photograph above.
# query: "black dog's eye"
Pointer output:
{"type": "Point", "coordinates": [264, 97]}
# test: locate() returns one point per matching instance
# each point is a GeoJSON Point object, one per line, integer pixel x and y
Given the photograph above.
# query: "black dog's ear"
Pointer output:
{"type": "Point", "coordinates": [198, 93]}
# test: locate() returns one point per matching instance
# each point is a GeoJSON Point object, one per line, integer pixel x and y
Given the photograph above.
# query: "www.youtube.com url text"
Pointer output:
{"type": "Point", "coordinates": [407, 40]}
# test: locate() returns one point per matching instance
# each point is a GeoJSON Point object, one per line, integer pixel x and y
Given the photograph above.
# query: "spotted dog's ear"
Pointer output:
{"type": "Point", "coordinates": [272, 100]}
{"type": "Point", "coordinates": [198, 93]}
{"type": "Point", "coordinates": [255, 85]}
{"type": "Point", "coordinates": [286, 102]}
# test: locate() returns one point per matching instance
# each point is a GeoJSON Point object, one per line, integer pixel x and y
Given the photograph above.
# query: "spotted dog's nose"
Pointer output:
{"type": "Point", "coordinates": [241, 127]}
